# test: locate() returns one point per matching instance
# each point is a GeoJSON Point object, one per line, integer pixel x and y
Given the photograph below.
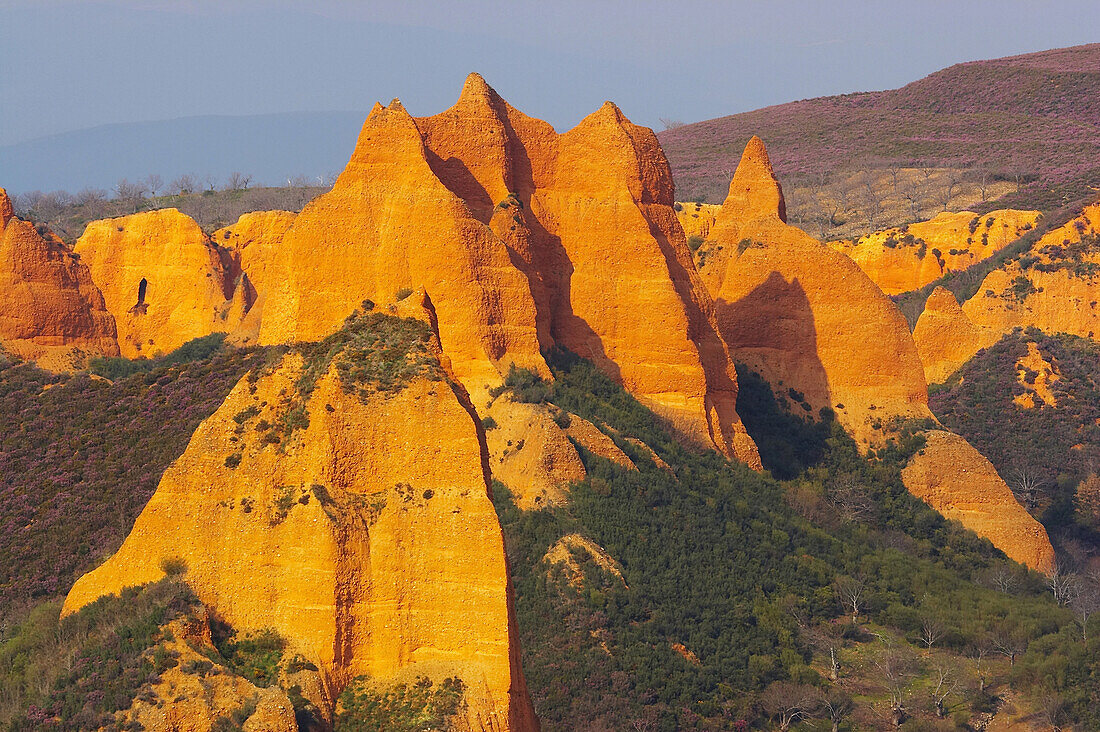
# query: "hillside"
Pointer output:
{"type": "Point", "coordinates": [481, 441]}
{"type": "Point", "coordinates": [1032, 121]}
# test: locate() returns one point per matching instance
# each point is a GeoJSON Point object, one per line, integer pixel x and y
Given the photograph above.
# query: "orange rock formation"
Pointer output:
{"type": "Point", "coordinates": [804, 316]}
{"type": "Point", "coordinates": [366, 537]}
{"type": "Point", "coordinates": [909, 257]}
{"type": "Point", "coordinates": [1036, 375]}
{"type": "Point", "coordinates": [254, 243]}
{"type": "Point", "coordinates": [1055, 287]}
{"type": "Point", "coordinates": [985, 505]}
{"type": "Point", "coordinates": [523, 239]}
{"type": "Point", "coordinates": [946, 338]}
{"type": "Point", "coordinates": [50, 310]}
{"type": "Point", "coordinates": [697, 218]}
{"type": "Point", "coordinates": [163, 280]}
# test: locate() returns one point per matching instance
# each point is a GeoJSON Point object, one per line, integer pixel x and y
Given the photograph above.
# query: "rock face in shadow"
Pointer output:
{"type": "Point", "coordinates": [907, 258]}
{"type": "Point", "coordinates": [50, 310]}
{"type": "Point", "coordinates": [986, 506]}
{"type": "Point", "coordinates": [163, 280]}
{"type": "Point", "coordinates": [804, 316]}
{"type": "Point", "coordinates": [352, 515]}
{"type": "Point", "coordinates": [523, 239]}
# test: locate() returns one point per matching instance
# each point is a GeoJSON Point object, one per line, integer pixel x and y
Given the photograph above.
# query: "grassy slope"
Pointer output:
{"type": "Point", "coordinates": [1036, 115]}
{"type": "Point", "coordinates": [742, 569]}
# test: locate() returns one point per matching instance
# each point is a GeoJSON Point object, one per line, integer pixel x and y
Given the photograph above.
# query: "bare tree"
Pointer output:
{"type": "Point", "coordinates": [1002, 578]}
{"type": "Point", "coordinates": [210, 182]}
{"type": "Point", "coordinates": [978, 649]}
{"type": "Point", "coordinates": [947, 682]}
{"type": "Point", "coordinates": [130, 193]}
{"type": "Point", "coordinates": [896, 670]}
{"type": "Point", "coordinates": [984, 177]}
{"type": "Point", "coordinates": [894, 170]}
{"type": "Point", "coordinates": [851, 498]}
{"type": "Point", "coordinates": [1085, 604]}
{"type": "Point", "coordinates": [153, 183]}
{"type": "Point", "coordinates": [872, 201]}
{"type": "Point", "coordinates": [1063, 584]}
{"type": "Point", "coordinates": [1027, 483]}
{"type": "Point", "coordinates": [825, 639]}
{"type": "Point", "coordinates": [836, 705]}
{"type": "Point", "coordinates": [670, 124]}
{"type": "Point", "coordinates": [1009, 642]}
{"type": "Point", "coordinates": [931, 628]}
{"type": "Point", "coordinates": [849, 591]}
{"type": "Point", "coordinates": [238, 182]}
{"type": "Point", "coordinates": [787, 702]}
{"type": "Point", "coordinates": [183, 185]}
{"type": "Point", "coordinates": [949, 183]}
{"type": "Point", "coordinates": [87, 196]}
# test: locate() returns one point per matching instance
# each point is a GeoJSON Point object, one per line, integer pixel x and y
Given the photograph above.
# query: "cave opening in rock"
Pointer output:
{"type": "Point", "coordinates": [140, 307]}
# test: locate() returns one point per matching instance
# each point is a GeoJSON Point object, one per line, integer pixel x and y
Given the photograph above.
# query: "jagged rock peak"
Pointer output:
{"type": "Point", "coordinates": [6, 211]}
{"type": "Point", "coordinates": [755, 192]}
{"type": "Point", "coordinates": [475, 90]}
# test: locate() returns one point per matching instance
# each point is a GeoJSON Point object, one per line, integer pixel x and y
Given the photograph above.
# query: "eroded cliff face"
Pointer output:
{"type": "Point", "coordinates": [163, 280]}
{"type": "Point", "coordinates": [953, 478]}
{"type": "Point", "coordinates": [50, 310]}
{"type": "Point", "coordinates": [342, 499]}
{"type": "Point", "coordinates": [804, 316]}
{"type": "Point", "coordinates": [907, 258]}
{"type": "Point", "coordinates": [1054, 286]}
{"type": "Point", "coordinates": [523, 239]}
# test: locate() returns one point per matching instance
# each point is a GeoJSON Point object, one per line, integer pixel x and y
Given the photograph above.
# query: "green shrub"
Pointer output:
{"type": "Point", "coordinates": [418, 707]}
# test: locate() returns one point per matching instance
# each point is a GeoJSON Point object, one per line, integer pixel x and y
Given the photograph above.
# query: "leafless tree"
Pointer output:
{"type": "Point", "coordinates": [210, 182]}
{"type": "Point", "coordinates": [238, 182]}
{"type": "Point", "coordinates": [1063, 584]}
{"type": "Point", "coordinates": [872, 201]}
{"type": "Point", "coordinates": [978, 649]}
{"type": "Point", "coordinates": [984, 177]}
{"type": "Point", "coordinates": [948, 185]}
{"type": "Point", "coordinates": [1085, 604]}
{"type": "Point", "coordinates": [1002, 578]}
{"type": "Point", "coordinates": [670, 124]}
{"type": "Point", "coordinates": [88, 196]}
{"type": "Point", "coordinates": [851, 498]}
{"type": "Point", "coordinates": [1052, 709]}
{"type": "Point", "coordinates": [1027, 483]}
{"type": "Point", "coordinates": [130, 193]}
{"type": "Point", "coordinates": [153, 183]}
{"type": "Point", "coordinates": [896, 669]}
{"type": "Point", "coordinates": [1009, 642]}
{"type": "Point", "coordinates": [894, 171]}
{"type": "Point", "coordinates": [849, 591]}
{"type": "Point", "coordinates": [183, 185]}
{"type": "Point", "coordinates": [825, 639]}
{"type": "Point", "coordinates": [836, 705]}
{"type": "Point", "coordinates": [947, 681]}
{"type": "Point", "coordinates": [787, 702]}
{"type": "Point", "coordinates": [931, 628]}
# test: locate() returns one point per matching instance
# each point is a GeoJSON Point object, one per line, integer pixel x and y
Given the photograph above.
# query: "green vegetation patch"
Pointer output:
{"type": "Point", "coordinates": [417, 707]}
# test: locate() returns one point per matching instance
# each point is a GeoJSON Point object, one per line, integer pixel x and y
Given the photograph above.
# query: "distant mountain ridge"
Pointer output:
{"type": "Point", "coordinates": [270, 147]}
{"type": "Point", "coordinates": [1034, 116]}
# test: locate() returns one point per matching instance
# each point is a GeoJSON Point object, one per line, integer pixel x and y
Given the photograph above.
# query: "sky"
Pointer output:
{"type": "Point", "coordinates": [69, 64]}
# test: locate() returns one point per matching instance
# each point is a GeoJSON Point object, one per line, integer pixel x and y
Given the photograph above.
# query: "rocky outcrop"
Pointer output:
{"type": "Point", "coordinates": [163, 280]}
{"type": "Point", "coordinates": [524, 240]}
{"type": "Point", "coordinates": [342, 499]}
{"type": "Point", "coordinates": [953, 478]}
{"type": "Point", "coordinates": [804, 316]}
{"type": "Point", "coordinates": [1054, 286]}
{"type": "Point", "coordinates": [907, 258]}
{"type": "Point", "coordinates": [195, 692]}
{"type": "Point", "coordinates": [572, 551]}
{"type": "Point", "coordinates": [946, 338]}
{"type": "Point", "coordinates": [50, 310]}
{"type": "Point", "coordinates": [1037, 376]}
{"type": "Point", "coordinates": [253, 244]}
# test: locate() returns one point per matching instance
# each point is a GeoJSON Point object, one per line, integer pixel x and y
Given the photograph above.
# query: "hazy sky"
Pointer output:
{"type": "Point", "coordinates": [68, 64]}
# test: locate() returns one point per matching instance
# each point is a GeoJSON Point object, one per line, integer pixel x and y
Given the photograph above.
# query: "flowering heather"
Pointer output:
{"type": "Point", "coordinates": [1033, 117]}
{"type": "Point", "coordinates": [80, 457]}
